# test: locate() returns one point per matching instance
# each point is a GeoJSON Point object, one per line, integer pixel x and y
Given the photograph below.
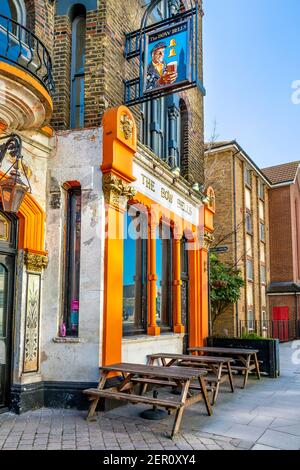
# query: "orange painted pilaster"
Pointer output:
{"type": "Point", "coordinates": [113, 281]}
{"type": "Point", "coordinates": [119, 147]}
{"type": "Point", "coordinates": [177, 283]}
{"type": "Point", "coordinates": [153, 329]}
{"type": "Point", "coordinates": [194, 299]}
{"type": "Point", "coordinates": [204, 317]}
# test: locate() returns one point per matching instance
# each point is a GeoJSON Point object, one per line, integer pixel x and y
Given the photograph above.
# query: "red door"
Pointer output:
{"type": "Point", "coordinates": [281, 323]}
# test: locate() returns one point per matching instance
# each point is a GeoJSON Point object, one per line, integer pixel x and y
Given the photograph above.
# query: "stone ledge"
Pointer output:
{"type": "Point", "coordinates": [68, 340]}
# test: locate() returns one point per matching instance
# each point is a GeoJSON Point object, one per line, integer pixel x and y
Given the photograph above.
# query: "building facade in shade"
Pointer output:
{"type": "Point", "coordinates": [106, 261]}
{"type": "Point", "coordinates": [242, 225]}
{"type": "Point", "coordinates": [284, 289]}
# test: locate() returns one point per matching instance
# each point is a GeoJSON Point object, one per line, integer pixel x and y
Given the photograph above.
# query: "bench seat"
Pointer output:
{"type": "Point", "coordinates": [93, 392]}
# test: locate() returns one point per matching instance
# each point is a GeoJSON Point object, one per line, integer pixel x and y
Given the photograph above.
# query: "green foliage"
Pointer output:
{"type": "Point", "coordinates": [225, 285]}
{"type": "Point", "coordinates": [253, 336]}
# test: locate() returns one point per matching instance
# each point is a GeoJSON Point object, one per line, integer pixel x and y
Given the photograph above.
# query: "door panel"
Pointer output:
{"type": "Point", "coordinates": [280, 316]}
{"type": "Point", "coordinates": [6, 308]}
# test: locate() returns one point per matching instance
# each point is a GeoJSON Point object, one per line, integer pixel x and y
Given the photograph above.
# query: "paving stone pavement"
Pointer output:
{"type": "Point", "coordinates": [265, 416]}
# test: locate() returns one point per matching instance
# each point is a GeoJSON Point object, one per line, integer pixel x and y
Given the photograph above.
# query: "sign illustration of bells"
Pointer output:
{"type": "Point", "coordinates": [172, 46]}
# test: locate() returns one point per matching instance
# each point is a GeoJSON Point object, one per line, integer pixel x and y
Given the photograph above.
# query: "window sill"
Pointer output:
{"type": "Point", "coordinates": [149, 338]}
{"type": "Point", "coordinates": [68, 340]}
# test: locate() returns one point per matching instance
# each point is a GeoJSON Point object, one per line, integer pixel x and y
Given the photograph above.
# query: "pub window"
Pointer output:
{"type": "Point", "coordinates": [135, 272]}
{"type": "Point", "coordinates": [164, 270]}
{"type": "Point", "coordinates": [72, 261]}
{"type": "Point", "coordinates": [77, 67]}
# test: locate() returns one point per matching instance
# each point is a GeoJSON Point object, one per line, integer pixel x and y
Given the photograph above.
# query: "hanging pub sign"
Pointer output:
{"type": "Point", "coordinates": [167, 52]}
{"type": "Point", "coordinates": [167, 63]}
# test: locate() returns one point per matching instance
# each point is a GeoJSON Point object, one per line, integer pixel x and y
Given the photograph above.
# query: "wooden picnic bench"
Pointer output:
{"type": "Point", "coordinates": [133, 374]}
{"type": "Point", "coordinates": [247, 359]}
{"type": "Point", "coordinates": [218, 368]}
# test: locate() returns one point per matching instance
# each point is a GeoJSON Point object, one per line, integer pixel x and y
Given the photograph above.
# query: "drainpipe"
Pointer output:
{"type": "Point", "coordinates": [235, 236]}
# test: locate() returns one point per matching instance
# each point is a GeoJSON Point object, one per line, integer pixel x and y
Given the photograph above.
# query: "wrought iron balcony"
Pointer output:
{"type": "Point", "coordinates": [19, 46]}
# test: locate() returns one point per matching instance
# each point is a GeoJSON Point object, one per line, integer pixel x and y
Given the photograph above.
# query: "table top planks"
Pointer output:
{"type": "Point", "coordinates": [176, 373]}
{"type": "Point", "coordinates": [185, 357]}
{"type": "Point", "coordinates": [228, 351]}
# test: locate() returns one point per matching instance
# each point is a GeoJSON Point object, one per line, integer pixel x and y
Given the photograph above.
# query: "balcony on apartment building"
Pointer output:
{"type": "Point", "coordinates": [26, 81]}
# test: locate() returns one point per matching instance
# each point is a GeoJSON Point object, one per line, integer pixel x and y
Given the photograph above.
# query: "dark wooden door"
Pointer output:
{"type": "Point", "coordinates": [6, 317]}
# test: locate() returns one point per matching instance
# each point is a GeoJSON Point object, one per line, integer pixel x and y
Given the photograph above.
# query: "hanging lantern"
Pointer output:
{"type": "Point", "coordinates": [12, 188]}
{"type": "Point", "coordinates": [12, 191]}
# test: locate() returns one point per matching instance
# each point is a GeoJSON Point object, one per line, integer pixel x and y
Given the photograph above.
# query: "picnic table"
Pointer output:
{"type": "Point", "coordinates": [133, 374]}
{"type": "Point", "coordinates": [219, 368]}
{"type": "Point", "coordinates": [247, 359]}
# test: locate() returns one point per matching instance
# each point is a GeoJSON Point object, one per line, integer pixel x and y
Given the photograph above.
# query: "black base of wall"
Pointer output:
{"type": "Point", "coordinates": [66, 395]}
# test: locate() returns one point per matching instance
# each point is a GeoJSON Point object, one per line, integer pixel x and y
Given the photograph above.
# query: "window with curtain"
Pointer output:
{"type": "Point", "coordinates": [135, 272]}
{"type": "Point", "coordinates": [77, 70]}
{"type": "Point", "coordinates": [72, 260]}
{"type": "Point", "coordinates": [164, 271]}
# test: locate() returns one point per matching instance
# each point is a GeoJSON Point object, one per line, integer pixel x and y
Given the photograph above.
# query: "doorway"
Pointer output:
{"type": "Point", "coordinates": [8, 229]}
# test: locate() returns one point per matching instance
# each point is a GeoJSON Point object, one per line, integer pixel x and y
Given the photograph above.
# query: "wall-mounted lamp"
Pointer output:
{"type": "Point", "coordinates": [12, 188]}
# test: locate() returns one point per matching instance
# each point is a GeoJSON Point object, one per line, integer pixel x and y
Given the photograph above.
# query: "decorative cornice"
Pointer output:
{"type": "Point", "coordinates": [35, 262]}
{"type": "Point", "coordinates": [116, 192]}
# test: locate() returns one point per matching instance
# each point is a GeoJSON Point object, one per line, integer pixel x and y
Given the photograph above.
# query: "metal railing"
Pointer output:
{"type": "Point", "coordinates": [284, 330]}
{"type": "Point", "coordinates": [19, 46]}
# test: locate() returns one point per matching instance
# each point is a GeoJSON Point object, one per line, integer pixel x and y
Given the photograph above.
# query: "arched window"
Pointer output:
{"type": "Point", "coordinates": [78, 18]}
{"type": "Point", "coordinates": [15, 10]}
{"type": "Point", "coordinates": [160, 118]}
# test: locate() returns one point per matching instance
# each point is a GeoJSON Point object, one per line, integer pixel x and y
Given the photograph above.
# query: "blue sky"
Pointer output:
{"type": "Point", "coordinates": [251, 59]}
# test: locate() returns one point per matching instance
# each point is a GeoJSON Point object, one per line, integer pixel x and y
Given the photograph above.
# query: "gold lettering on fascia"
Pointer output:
{"type": "Point", "coordinates": [148, 183]}
{"type": "Point", "coordinates": [184, 207]}
{"type": "Point", "coordinates": [167, 195]}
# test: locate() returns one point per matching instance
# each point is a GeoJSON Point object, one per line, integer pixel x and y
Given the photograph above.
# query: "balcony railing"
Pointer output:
{"type": "Point", "coordinates": [284, 330]}
{"type": "Point", "coordinates": [19, 46]}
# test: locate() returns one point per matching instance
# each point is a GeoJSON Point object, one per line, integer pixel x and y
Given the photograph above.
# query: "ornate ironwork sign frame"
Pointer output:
{"type": "Point", "coordinates": [178, 36]}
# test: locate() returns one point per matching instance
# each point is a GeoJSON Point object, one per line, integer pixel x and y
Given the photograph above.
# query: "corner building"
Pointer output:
{"type": "Point", "coordinates": [86, 292]}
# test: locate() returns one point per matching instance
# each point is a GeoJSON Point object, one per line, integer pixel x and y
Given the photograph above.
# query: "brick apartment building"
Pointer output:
{"type": "Point", "coordinates": [78, 298]}
{"type": "Point", "coordinates": [284, 289]}
{"type": "Point", "coordinates": [242, 224]}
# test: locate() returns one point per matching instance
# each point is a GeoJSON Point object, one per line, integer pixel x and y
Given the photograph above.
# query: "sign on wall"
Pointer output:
{"type": "Point", "coordinates": [168, 56]}
{"type": "Point", "coordinates": [156, 190]}
{"type": "Point", "coordinates": [167, 63]}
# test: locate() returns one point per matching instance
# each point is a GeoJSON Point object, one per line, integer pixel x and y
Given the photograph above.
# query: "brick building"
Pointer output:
{"type": "Point", "coordinates": [241, 224]}
{"type": "Point", "coordinates": [85, 292]}
{"type": "Point", "coordinates": [284, 289]}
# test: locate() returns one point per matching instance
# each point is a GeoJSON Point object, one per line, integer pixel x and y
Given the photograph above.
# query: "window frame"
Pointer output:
{"type": "Point", "coordinates": [250, 279]}
{"type": "Point", "coordinates": [167, 269]}
{"type": "Point", "coordinates": [262, 232]}
{"type": "Point", "coordinates": [71, 191]}
{"type": "Point", "coordinates": [248, 183]}
{"type": "Point", "coordinates": [249, 217]}
{"type": "Point", "coordinates": [77, 76]}
{"type": "Point", "coordinates": [132, 330]}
